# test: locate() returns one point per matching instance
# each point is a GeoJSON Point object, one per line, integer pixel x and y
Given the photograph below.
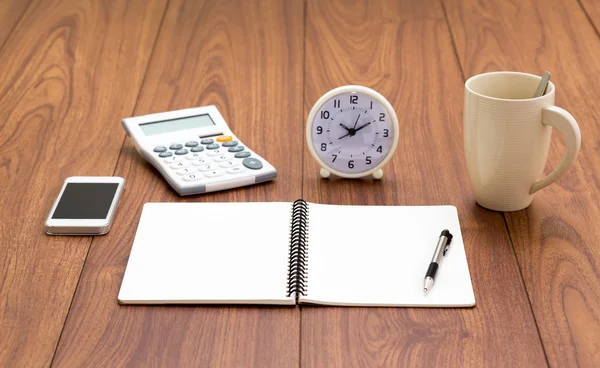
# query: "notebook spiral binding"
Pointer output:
{"type": "Point", "coordinates": [297, 279]}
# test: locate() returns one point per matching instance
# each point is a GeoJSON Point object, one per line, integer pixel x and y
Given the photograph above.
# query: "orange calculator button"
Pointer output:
{"type": "Point", "coordinates": [225, 138]}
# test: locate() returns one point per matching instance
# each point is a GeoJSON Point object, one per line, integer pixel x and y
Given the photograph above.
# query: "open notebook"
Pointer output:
{"type": "Point", "coordinates": [288, 253]}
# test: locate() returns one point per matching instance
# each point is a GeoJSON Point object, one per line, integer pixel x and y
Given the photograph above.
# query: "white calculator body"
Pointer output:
{"type": "Point", "coordinates": [195, 150]}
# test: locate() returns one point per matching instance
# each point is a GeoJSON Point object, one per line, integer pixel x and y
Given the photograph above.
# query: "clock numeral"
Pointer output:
{"type": "Point", "coordinates": [324, 114]}
{"type": "Point", "coordinates": [323, 147]}
{"type": "Point", "coordinates": [353, 99]}
{"type": "Point", "coordinates": [334, 157]}
{"type": "Point", "coordinates": [368, 160]}
{"type": "Point", "coordinates": [320, 130]}
{"type": "Point", "coordinates": [381, 116]}
{"type": "Point", "coordinates": [351, 164]}
{"type": "Point", "coordinates": [371, 105]}
{"type": "Point", "coordinates": [385, 133]}
{"type": "Point", "coordinates": [336, 103]}
{"type": "Point", "coordinates": [380, 149]}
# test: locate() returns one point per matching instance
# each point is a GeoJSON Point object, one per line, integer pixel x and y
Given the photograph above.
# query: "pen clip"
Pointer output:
{"type": "Point", "coordinates": [446, 248]}
{"type": "Point", "coordinates": [448, 236]}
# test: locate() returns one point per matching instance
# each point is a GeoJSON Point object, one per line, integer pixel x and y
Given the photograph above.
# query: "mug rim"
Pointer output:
{"type": "Point", "coordinates": [482, 75]}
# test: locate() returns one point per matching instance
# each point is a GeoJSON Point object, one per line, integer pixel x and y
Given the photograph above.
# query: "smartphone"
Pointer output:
{"type": "Point", "coordinates": [86, 205]}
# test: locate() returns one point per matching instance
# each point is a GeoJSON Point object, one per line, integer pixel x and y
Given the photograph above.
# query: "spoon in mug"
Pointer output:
{"type": "Point", "coordinates": [541, 89]}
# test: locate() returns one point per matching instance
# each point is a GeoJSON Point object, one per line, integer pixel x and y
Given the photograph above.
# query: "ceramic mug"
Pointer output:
{"type": "Point", "coordinates": [507, 137]}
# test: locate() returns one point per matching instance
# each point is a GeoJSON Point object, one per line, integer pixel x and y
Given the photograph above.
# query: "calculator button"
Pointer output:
{"type": "Point", "coordinates": [197, 149]}
{"type": "Point", "coordinates": [252, 163]}
{"type": "Point", "coordinates": [235, 170]}
{"type": "Point", "coordinates": [201, 161]}
{"type": "Point", "coordinates": [191, 144]}
{"type": "Point", "coordinates": [182, 151]}
{"type": "Point", "coordinates": [236, 149]}
{"type": "Point", "coordinates": [215, 152]}
{"type": "Point", "coordinates": [180, 165]}
{"type": "Point", "coordinates": [212, 146]}
{"type": "Point", "coordinates": [242, 154]}
{"type": "Point", "coordinates": [207, 141]}
{"type": "Point", "coordinates": [165, 154]}
{"type": "Point", "coordinates": [194, 156]}
{"type": "Point", "coordinates": [186, 171]}
{"type": "Point", "coordinates": [227, 164]}
{"type": "Point", "coordinates": [173, 159]}
{"type": "Point", "coordinates": [224, 138]}
{"type": "Point", "coordinates": [208, 167]}
{"type": "Point", "coordinates": [176, 146]}
{"type": "Point", "coordinates": [230, 144]}
{"type": "Point", "coordinates": [214, 173]}
{"type": "Point", "coordinates": [192, 177]}
{"type": "Point", "coordinates": [160, 149]}
{"type": "Point", "coordinates": [221, 158]}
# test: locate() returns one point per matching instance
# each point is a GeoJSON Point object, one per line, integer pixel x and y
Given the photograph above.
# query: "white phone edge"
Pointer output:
{"type": "Point", "coordinates": [85, 226]}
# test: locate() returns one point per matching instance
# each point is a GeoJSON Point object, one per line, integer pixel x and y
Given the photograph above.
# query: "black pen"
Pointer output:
{"type": "Point", "coordinates": [440, 251]}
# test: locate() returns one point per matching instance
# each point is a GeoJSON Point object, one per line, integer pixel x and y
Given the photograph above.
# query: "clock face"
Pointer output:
{"type": "Point", "coordinates": [352, 133]}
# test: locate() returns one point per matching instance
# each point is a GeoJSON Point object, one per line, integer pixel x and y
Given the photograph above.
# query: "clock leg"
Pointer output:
{"type": "Point", "coordinates": [378, 174]}
{"type": "Point", "coordinates": [324, 173]}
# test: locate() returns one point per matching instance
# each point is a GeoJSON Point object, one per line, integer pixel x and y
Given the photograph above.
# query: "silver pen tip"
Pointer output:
{"type": "Point", "coordinates": [428, 283]}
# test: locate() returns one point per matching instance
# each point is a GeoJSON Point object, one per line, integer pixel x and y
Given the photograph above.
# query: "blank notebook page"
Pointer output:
{"type": "Point", "coordinates": [209, 253]}
{"type": "Point", "coordinates": [366, 255]}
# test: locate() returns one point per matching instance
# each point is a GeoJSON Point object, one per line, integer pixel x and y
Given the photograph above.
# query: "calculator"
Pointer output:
{"type": "Point", "coordinates": [195, 151]}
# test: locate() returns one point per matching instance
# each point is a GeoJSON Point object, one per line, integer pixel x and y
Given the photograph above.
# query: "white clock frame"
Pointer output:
{"type": "Point", "coordinates": [376, 171]}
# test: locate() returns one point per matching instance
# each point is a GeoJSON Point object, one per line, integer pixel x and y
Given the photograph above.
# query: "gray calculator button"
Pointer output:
{"type": "Point", "coordinates": [207, 141]}
{"type": "Point", "coordinates": [236, 149]}
{"type": "Point", "coordinates": [242, 154]}
{"type": "Point", "coordinates": [165, 154]}
{"type": "Point", "coordinates": [212, 146]}
{"type": "Point", "coordinates": [182, 151]}
{"type": "Point", "coordinates": [197, 149]}
{"type": "Point", "coordinates": [192, 177]}
{"type": "Point", "coordinates": [191, 144]}
{"type": "Point", "coordinates": [160, 149]}
{"type": "Point", "coordinates": [252, 163]}
{"type": "Point", "coordinates": [176, 146]}
{"type": "Point", "coordinates": [230, 144]}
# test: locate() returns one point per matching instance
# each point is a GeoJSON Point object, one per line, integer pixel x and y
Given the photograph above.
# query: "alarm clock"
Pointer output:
{"type": "Point", "coordinates": [352, 132]}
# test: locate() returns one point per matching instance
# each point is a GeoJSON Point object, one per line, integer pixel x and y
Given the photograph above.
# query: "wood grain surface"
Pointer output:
{"type": "Point", "coordinates": [592, 10]}
{"type": "Point", "coordinates": [60, 104]}
{"type": "Point", "coordinates": [405, 52]}
{"type": "Point", "coordinates": [245, 57]}
{"type": "Point", "coordinates": [10, 13]}
{"type": "Point", "coordinates": [556, 238]}
{"type": "Point", "coordinates": [71, 70]}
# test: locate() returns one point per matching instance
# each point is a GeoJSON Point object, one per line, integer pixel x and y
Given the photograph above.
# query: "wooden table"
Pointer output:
{"type": "Point", "coordinates": [70, 70]}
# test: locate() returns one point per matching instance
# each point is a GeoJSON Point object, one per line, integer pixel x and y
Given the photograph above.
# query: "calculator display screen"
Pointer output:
{"type": "Point", "coordinates": [173, 125]}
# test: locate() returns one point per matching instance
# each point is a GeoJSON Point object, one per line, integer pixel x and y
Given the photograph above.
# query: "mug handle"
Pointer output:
{"type": "Point", "coordinates": [566, 124]}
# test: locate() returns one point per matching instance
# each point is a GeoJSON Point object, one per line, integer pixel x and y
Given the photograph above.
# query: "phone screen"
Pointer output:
{"type": "Point", "coordinates": [85, 201]}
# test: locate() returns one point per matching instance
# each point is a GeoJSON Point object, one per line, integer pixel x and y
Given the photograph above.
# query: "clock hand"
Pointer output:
{"type": "Point", "coordinates": [362, 126]}
{"type": "Point", "coordinates": [345, 135]}
{"type": "Point", "coordinates": [356, 121]}
{"type": "Point", "coordinates": [345, 127]}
